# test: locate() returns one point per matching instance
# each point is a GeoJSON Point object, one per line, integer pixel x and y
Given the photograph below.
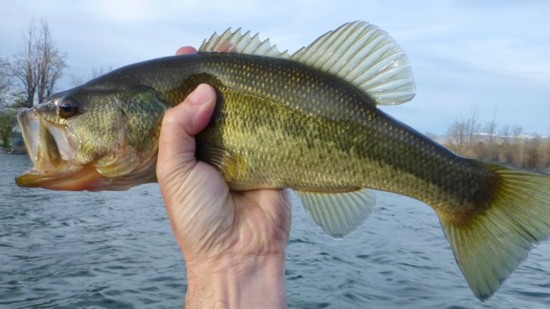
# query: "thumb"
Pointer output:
{"type": "Point", "coordinates": [179, 126]}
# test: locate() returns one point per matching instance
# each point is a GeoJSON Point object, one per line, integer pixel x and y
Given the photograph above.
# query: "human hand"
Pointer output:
{"type": "Point", "coordinates": [233, 242]}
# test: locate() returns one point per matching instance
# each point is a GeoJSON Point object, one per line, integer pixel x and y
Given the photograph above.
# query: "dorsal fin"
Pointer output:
{"type": "Point", "coordinates": [365, 56]}
{"type": "Point", "coordinates": [236, 42]}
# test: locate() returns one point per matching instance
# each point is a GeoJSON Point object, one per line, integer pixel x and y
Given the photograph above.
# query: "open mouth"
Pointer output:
{"type": "Point", "coordinates": [40, 144]}
{"type": "Point", "coordinates": [51, 152]}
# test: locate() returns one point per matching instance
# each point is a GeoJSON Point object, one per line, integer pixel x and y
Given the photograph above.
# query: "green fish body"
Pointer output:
{"type": "Point", "coordinates": [307, 121]}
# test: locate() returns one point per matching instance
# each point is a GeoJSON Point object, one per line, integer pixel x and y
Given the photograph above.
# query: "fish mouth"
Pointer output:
{"type": "Point", "coordinates": [52, 154]}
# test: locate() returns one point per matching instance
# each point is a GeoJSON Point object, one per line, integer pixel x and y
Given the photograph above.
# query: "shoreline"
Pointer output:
{"type": "Point", "coordinates": [4, 150]}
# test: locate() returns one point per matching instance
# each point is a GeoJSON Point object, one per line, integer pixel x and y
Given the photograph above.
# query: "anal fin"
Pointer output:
{"type": "Point", "coordinates": [338, 214]}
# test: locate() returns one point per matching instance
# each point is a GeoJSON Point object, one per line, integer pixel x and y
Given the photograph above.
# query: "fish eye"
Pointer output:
{"type": "Point", "coordinates": [68, 107]}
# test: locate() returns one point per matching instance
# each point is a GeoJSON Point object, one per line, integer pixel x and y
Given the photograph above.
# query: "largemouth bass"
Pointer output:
{"type": "Point", "coordinates": [307, 121]}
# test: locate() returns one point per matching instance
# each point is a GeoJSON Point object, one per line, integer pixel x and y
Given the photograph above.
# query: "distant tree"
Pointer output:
{"type": "Point", "coordinates": [491, 130]}
{"type": "Point", "coordinates": [462, 133]}
{"type": "Point", "coordinates": [7, 123]}
{"type": "Point", "coordinates": [546, 153]}
{"type": "Point", "coordinates": [39, 66]}
{"type": "Point", "coordinates": [96, 72]}
{"type": "Point", "coordinates": [456, 135]}
{"type": "Point", "coordinates": [533, 157]}
{"type": "Point", "coordinates": [510, 146]}
{"type": "Point", "coordinates": [505, 134]}
{"type": "Point", "coordinates": [472, 126]}
{"type": "Point", "coordinates": [5, 81]}
{"type": "Point", "coordinates": [519, 143]}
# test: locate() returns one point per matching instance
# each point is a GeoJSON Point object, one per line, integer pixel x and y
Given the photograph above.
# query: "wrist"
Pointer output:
{"type": "Point", "coordinates": [237, 282]}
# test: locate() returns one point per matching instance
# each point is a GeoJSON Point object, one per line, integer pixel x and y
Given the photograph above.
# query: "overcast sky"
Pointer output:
{"type": "Point", "coordinates": [465, 54]}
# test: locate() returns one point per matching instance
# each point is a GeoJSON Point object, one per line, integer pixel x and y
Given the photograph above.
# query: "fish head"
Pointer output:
{"type": "Point", "coordinates": [92, 138]}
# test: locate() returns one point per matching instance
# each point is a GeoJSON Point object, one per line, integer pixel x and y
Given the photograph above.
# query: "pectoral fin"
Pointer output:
{"type": "Point", "coordinates": [225, 161]}
{"type": "Point", "coordinates": [338, 213]}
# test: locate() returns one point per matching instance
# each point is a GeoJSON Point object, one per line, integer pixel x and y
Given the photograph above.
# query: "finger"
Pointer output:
{"type": "Point", "coordinates": [179, 126]}
{"type": "Point", "coordinates": [186, 50]}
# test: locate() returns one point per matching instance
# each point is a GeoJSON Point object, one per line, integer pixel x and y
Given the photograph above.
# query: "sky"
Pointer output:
{"type": "Point", "coordinates": [489, 56]}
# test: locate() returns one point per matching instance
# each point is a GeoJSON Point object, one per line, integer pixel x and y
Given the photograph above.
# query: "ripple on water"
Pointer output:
{"type": "Point", "coordinates": [116, 250]}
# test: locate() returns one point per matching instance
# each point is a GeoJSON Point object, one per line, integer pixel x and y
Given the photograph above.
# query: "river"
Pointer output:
{"type": "Point", "coordinates": [116, 250]}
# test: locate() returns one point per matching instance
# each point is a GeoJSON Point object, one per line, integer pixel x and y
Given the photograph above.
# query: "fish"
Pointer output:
{"type": "Point", "coordinates": [308, 121]}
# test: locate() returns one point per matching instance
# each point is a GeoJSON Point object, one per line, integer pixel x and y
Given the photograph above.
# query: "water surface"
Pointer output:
{"type": "Point", "coordinates": [116, 250]}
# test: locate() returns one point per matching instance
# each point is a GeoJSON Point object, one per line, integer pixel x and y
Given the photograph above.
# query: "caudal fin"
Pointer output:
{"type": "Point", "coordinates": [492, 244]}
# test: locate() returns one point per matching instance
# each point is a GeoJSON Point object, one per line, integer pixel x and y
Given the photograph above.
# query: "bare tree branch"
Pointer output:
{"type": "Point", "coordinates": [39, 66]}
{"type": "Point", "coordinates": [5, 82]}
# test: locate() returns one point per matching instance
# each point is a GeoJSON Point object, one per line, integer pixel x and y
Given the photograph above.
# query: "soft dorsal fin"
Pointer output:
{"type": "Point", "coordinates": [338, 214]}
{"type": "Point", "coordinates": [365, 56]}
{"type": "Point", "coordinates": [236, 42]}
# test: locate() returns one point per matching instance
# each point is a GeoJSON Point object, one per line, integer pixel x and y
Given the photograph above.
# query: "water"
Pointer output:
{"type": "Point", "coordinates": [116, 250]}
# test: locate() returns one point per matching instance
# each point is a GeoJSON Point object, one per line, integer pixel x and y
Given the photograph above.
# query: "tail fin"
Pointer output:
{"type": "Point", "coordinates": [492, 244]}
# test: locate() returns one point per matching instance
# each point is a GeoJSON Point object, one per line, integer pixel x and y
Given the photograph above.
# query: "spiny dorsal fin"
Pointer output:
{"type": "Point", "coordinates": [236, 42]}
{"type": "Point", "coordinates": [338, 213]}
{"type": "Point", "coordinates": [365, 56]}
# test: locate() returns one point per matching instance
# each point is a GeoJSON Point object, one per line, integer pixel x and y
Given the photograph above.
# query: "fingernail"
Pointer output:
{"type": "Point", "coordinates": [200, 95]}
{"type": "Point", "coordinates": [186, 50]}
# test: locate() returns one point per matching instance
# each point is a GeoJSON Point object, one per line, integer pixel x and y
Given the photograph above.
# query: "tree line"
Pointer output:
{"type": "Point", "coordinates": [509, 145]}
{"type": "Point", "coordinates": [29, 76]}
